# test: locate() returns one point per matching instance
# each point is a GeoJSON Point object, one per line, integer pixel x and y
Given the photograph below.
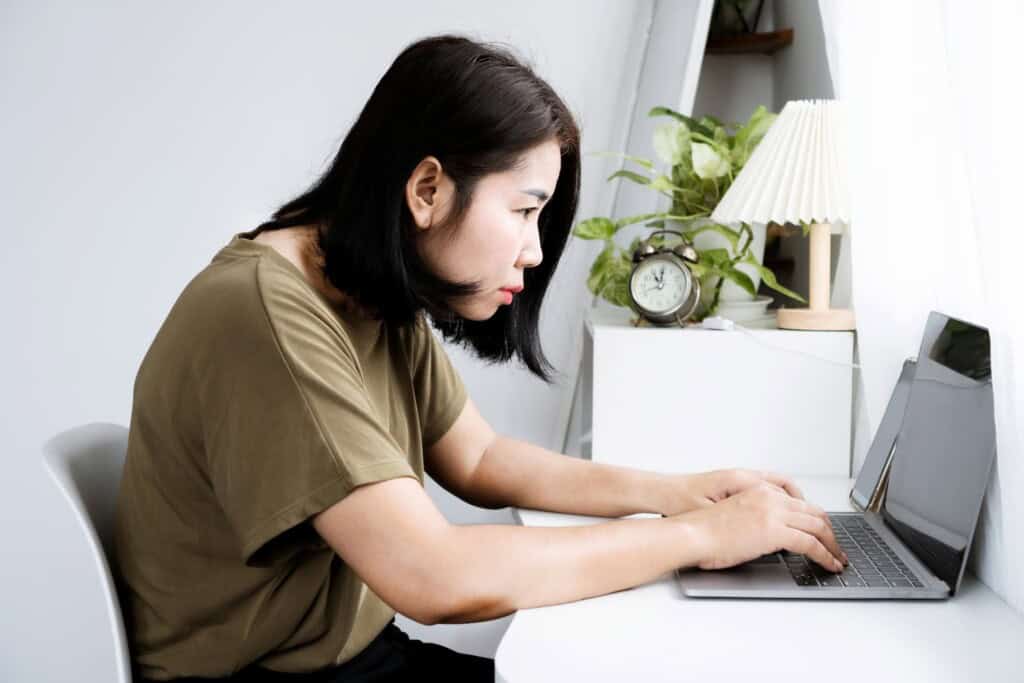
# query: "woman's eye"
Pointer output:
{"type": "Point", "coordinates": [526, 212]}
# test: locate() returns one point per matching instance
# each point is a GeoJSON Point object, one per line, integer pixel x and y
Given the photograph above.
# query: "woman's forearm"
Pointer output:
{"type": "Point", "coordinates": [520, 474]}
{"type": "Point", "coordinates": [500, 569]}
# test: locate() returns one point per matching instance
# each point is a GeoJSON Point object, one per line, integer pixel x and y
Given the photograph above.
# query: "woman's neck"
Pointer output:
{"type": "Point", "coordinates": [299, 245]}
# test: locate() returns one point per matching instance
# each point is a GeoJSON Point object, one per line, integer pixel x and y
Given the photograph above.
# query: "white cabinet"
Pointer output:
{"type": "Point", "coordinates": [684, 400]}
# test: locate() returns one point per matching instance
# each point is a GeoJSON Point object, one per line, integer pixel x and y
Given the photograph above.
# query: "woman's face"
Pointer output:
{"type": "Point", "coordinates": [497, 238]}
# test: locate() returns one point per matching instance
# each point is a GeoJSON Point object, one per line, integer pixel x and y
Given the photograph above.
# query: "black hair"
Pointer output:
{"type": "Point", "coordinates": [477, 109]}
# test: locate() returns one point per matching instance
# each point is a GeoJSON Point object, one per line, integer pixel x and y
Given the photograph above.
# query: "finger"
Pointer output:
{"type": "Point", "coordinates": [785, 482]}
{"type": "Point", "coordinates": [800, 505]}
{"type": "Point", "coordinates": [809, 508]}
{"type": "Point", "coordinates": [800, 541]}
{"type": "Point", "coordinates": [817, 527]}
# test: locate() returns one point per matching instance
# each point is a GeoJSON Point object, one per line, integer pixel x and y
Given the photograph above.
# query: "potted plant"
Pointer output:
{"type": "Point", "coordinates": [703, 157]}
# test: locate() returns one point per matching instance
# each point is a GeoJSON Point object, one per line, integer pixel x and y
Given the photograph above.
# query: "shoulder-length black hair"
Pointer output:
{"type": "Point", "coordinates": [477, 109]}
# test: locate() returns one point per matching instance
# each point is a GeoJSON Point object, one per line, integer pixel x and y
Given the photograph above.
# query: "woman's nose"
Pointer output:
{"type": "Point", "coordinates": [531, 255]}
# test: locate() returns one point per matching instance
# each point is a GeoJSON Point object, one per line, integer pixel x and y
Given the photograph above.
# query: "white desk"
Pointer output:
{"type": "Point", "coordinates": [655, 633]}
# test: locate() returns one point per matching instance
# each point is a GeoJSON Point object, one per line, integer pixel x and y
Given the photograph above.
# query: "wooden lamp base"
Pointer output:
{"type": "Point", "coordinates": [818, 316]}
{"type": "Point", "coordinates": [809, 319]}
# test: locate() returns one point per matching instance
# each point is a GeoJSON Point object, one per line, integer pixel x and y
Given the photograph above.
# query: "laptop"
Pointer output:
{"type": "Point", "coordinates": [915, 544]}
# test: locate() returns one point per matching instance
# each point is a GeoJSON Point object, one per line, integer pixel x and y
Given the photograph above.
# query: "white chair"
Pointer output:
{"type": "Point", "coordinates": [86, 463]}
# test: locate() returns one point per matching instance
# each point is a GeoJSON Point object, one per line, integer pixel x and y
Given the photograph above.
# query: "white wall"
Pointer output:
{"type": "Point", "coordinates": [732, 86]}
{"type": "Point", "coordinates": [136, 140]}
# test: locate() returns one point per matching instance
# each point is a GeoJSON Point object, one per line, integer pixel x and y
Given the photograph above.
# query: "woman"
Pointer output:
{"type": "Point", "coordinates": [272, 517]}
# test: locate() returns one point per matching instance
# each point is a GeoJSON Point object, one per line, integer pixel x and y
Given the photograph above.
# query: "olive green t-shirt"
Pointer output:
{"type": "Point", "coordinates": [258, 405]}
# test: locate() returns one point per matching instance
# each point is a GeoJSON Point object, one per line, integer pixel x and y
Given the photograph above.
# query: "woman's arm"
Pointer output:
{"type": "Point", "coordinates": [516, 473]}
{"type": "Point", "coordinates": [397, 541]}
{"type": "Point", "coordinates": [493, 471]}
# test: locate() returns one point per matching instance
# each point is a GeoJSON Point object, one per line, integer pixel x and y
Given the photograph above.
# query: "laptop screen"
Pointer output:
{"type": "Point", "coordinates": [945, 448]}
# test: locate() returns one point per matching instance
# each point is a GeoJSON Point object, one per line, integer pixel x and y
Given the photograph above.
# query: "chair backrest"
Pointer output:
{"type": "Point", "coordinates": [86, 463]}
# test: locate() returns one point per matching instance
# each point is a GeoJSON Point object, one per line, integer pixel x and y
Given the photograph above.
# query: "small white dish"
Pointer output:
{"type": "Point", "coordinates": [742, 311]}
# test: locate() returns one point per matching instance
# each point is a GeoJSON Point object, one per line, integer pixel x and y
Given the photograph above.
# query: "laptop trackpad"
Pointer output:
{"type": "Point", "coordinates": [767, 572]}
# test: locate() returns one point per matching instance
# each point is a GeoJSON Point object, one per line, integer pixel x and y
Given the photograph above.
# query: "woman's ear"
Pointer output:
{"type": "Point", "coordinates": [427, 192]}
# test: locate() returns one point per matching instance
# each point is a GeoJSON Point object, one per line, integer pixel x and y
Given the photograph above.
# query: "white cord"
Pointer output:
{"type": "Point", "coordinates": [724, 324]}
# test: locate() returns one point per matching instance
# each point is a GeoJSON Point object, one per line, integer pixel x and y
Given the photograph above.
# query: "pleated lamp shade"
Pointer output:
{"type": "Point", "coordinates": [798, 174]}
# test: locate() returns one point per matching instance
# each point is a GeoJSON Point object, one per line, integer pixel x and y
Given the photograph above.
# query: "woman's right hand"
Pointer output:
{"type": "Point", "coordinates": [762, 520]}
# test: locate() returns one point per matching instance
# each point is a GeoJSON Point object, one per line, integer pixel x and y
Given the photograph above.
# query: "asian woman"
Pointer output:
{"type": "Point", "coordinates": [272, 518]}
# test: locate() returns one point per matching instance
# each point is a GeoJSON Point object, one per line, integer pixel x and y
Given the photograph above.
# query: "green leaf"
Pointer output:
{"type": "Point", "coordinates": [598, 228]}
{"type": "Point", "coordinates": [682, 171]}
{"type": "Point", "coordinates": [750, 135]}
{"type": "Point", "coordinates": [609, 275]}
{"type": "Point", "coordinates": [683, 218]}
{"type": "Point", "coordinates": [721, 139]}
{"type": "Point", "coordinates": [630, 220]}
{"type": "Point", "coordinates": [691, 197]}
{"type": "Point", "coordinates": [631, 175]}
{"type": "Point", "coordinates": [662, 183]}
{"type": "Point", "coordinates": [672, 142]}
{"type": "Point", "coordinates": [658, 222]}
{"type": "Point", "coordinates": [716, 257]}
{"type": "Point", "coordinates": [649, 165]}
{"type": "Point", "coordinates": [699, 270]}
{"type": "Point", "coordinates": [617, 292]}
{"type": "Point", "coordinates": [770, 281]}
{"type": "Point", "coordinates": [691, 123]}
{"type": "Point", "coordinates": [601, 268]}
{"type": "Point", "coordinates": [663, 216]}
{"type": "Point", "coordinates": [727, 233]}
{"type": "Point", "coordinates": [711, 122]}
{"type": "Point", "coordinates": [741, 279]}
{"type": "Point", "coordinates": [666, 142]}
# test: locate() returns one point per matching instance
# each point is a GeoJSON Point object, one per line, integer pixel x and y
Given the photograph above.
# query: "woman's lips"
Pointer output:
{"type": "Point", "coordinates": [509, 292]}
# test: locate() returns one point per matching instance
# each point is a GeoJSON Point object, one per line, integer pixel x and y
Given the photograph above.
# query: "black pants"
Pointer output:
{"type": "Point", "coordinates": [391, 656]}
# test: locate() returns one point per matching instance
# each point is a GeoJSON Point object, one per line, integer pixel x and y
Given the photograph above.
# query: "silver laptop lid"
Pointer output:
{"type": "Point", "coordinates": [945, 448]}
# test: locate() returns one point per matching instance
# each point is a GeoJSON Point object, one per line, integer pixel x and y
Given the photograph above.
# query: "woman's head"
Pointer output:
{"type": "Point", "coordinates": [460, 177]}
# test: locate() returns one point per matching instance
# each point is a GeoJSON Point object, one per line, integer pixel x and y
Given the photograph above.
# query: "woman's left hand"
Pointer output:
{"type": "Point", "coordinates": [693, 491]}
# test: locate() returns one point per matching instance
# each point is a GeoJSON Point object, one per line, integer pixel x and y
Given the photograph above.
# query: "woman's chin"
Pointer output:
{"type": "Point", "coordinates": [479, 312]}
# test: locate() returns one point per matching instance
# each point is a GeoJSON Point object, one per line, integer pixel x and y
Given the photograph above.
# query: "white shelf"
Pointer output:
{"type": "Point", "coordinates": [679, 400]}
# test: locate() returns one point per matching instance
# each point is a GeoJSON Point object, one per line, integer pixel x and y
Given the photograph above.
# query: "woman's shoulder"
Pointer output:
{"type": "Point", "coordinates": [243, 294]}
{"type": "Point", "coordinates": [251, 287]}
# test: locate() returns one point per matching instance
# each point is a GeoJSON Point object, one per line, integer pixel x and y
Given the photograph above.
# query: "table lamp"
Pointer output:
{"type": "Point", "coordinates": [798, 174]}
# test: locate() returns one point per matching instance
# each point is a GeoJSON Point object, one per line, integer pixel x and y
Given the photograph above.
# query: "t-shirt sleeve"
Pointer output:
{"type": "Point", "coordinates": [289, 426]}
{"type": "Point", "coordinates": [440, 392]}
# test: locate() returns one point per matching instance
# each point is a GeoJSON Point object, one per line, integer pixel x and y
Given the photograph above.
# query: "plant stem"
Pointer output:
{"type": "Point", "coordinates": [745, 229]}
{"type": "Point", "coordinates": [714, 300]}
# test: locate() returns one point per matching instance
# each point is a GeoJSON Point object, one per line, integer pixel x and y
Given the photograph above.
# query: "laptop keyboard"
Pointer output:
{"type": "Point", "coordinates": [872, 562]}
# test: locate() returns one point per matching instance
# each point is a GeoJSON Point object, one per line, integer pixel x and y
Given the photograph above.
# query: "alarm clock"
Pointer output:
{"type": "Point", "coordinates": [662, 288]}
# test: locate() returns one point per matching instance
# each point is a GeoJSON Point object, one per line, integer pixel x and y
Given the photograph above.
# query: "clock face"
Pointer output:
{"type": "Point", "coordinates": [659, 285]}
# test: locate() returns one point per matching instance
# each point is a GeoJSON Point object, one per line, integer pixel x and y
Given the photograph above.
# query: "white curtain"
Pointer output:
{"type": "Point", "coordinates": [932, 95]}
